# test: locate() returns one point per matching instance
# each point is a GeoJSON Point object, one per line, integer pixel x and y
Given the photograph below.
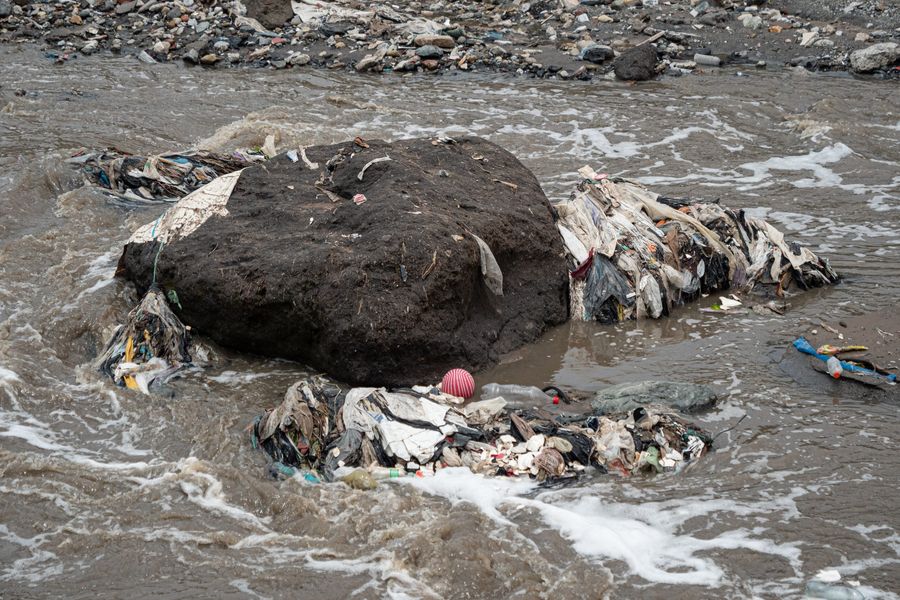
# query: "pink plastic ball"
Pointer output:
{"type": "Point", "coordinates": [458, 382]}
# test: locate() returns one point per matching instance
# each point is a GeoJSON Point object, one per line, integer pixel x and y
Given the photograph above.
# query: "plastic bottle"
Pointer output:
{"type": "Point", "coordinates": [516, 394]}
{"type": "Point", "coordinates": [707, 60]}
{"type": "Point", "coordinates": [833, 365]}
{"type": "Point", "coordinates": [830, 591]}
{"type": "Point", "coordinates": [387, 473]}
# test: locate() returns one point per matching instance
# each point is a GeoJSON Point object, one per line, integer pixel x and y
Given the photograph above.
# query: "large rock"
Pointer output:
{"type": "Point", "coordinates": [683, 397]}
{"type": "Point", "coordinates": [636, 64]}
{"type": "Point", "coordinates": [270, 13]}
{"type": "Point", "coordinates": [878, 56]}
{"type": "Point", "coordinates": [389, 291]}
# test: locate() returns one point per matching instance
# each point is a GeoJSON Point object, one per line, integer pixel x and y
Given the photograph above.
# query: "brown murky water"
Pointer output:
{"type": "Point", "coordinates": [108, 493]}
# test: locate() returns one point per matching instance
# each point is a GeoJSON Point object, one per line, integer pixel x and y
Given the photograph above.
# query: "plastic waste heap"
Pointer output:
{"type": "Point", "coordinates": [321, 429]}
{"type": "Point", "coordinates": [635, 254]}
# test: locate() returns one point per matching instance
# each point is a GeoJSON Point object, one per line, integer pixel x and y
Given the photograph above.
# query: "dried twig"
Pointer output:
{"type": "Point", "coordinates": [430, 267]}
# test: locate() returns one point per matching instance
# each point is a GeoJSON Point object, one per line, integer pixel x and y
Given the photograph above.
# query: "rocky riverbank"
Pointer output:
{"type": "Point", "coordinates": [564, 39]}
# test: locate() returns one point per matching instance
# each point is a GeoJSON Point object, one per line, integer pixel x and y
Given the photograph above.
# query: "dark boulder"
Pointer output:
{"type": "Point", "coordinates": [636, 64]}
{"type": "Point", "coordinates": [388, 291]}
{"type": "Point", "coordinates": [270, 13]}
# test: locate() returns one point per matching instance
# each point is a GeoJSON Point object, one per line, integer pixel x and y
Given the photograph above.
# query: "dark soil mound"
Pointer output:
{"type": "Point", "coordinates": [389, 291]}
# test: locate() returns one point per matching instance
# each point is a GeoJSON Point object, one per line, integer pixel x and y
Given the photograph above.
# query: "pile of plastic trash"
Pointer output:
{"type": "Point", "coordinates": [160, 178]}
{"type": "Point", "coordinates": [365, 434]}
{"type": "Point", "coordinates": [636, 254]}
{"type": "Point", "coordinates": [847, 362]}
{"type": "Point", "coordinates": [152, 346]}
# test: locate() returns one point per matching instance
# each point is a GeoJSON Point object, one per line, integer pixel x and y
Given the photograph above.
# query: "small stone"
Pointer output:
{"type": "Point", "coordinates": [221, 46]}
{"type": "Point", "coordinates": [597, 54]}
{"type": "Point", "coordinates": [877, 56]}
{"type": "Point", "coordinates": [441, 41]}
{"type": "Point", "coordinates": [429, 52]}
{"type": "Point", "coordinates": [202, 26]}
{"type": "Point", "coordinates": [298, 60]}
{"type": "Point", "coordinates": [161, 47]}
{"type": "Point", "coordinates": [862, 36]}
{"type": "Point", "coordinates": [751, 21]}
{"type": "Point", "coordinates": [126, 7]}
{"type": "Point", "coordinates": [279, 64]}
{"type": "Point", "coordinates": [209, 59]}
{"type": "Point", "coordinates": [5, 8]}
{"type": "Point", "coordinates": [145, 57]}
{"type": "Point", "coordinates": [90, 47]}
{"type": "Point", "coordinates": [430, 65]}
{"type": "Point", "coordinates": [605, 19]}
{"type": "Point", "coordinates": [191, 56]}
{"type": "Point", "coordinates": [76, 20]}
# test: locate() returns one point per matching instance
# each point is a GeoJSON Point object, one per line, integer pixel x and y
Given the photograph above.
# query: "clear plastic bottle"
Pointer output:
{"type": "Point", "coordinates": [516, 394]}
{"type": "Point", "coordinates": [387, 473]}
{"type": "Point", "coordinates": [833, 365]}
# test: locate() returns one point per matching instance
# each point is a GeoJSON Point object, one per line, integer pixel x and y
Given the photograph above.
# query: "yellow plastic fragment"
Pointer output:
{"type": "Point", "coordinates": [130, 383]}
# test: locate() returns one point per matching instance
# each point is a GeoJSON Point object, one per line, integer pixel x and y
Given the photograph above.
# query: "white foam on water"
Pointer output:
{"type": "Point", "coordinates": [206, 491]}
{"type": "Point", "coordinates": [8, 376]}
{"type": "Point", "coordinates": [762, 173]}
{"type": "Point", "coordinates": [646, 536]}
{"type": "Point", "coordinates": [382, 567]}
{"type": "Point", "coordinates": [242, 585]}
{"type": "Point", "coordinates": [237, 378]}
{"type": "Point", "coordinates": [37, 567]}
{"type": "Point", "coordinates": [17, 424]}
{"type": "Point", "coordinates": [461, 485]}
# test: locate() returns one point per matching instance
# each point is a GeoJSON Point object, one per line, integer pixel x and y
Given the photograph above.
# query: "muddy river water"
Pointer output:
{"type": "Point", "coordinates": [106, 492]}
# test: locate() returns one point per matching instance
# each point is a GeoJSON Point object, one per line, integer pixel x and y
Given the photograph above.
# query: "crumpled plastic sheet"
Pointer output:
{"type": "Point", "coordinates": [644, 254]}
{"type": "Point", "coordinates": [150, 347]}
{"type": "Point", "coordinates": [136, 180]}
{"type": "Point", "coordinates": [320, 428]}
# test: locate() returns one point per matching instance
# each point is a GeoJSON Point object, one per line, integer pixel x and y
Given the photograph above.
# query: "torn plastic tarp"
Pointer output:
{"type": "Point", "coordinates": [422, 430]}
{"type": "Point", "coordinates": [190, 212]}
{"type": "Point", "coordinates": [655, 253]}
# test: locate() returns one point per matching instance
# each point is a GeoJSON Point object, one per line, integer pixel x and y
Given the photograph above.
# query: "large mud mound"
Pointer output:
{"type": "Point", "coordinates": [370, 271]}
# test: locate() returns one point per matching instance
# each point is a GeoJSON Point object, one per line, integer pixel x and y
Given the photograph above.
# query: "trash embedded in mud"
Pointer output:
{"type": "Point", "coordinates": [448, 270]}
{"type": "Point", "coordinates": [150, 347]}
{"type": "Point", "coordinates": [635, 254]}
{"type": "Point", "coordinates": [161, 178]}
{"type": "Point", "coordinates": [365, 434]}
